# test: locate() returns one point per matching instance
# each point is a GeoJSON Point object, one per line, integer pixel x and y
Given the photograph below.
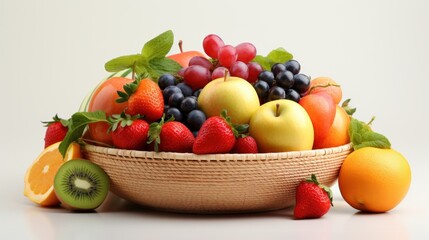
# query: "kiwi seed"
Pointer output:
{"type": "Point", "coordinates": [81, 185]}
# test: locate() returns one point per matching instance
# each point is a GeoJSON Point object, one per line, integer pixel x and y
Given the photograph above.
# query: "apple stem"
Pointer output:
{"type": "Point", "coordinates": [226, 75]}
{"type": "Point", "coordinates": [277, 110]}
{"type": "Point", "coordinates": [181, 46]}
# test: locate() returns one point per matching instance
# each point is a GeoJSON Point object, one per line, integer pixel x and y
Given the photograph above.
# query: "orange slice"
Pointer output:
{"type": "Point", "coordinates": [39, 179]}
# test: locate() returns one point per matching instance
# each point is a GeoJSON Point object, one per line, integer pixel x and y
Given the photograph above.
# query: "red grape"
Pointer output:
{"type": "Point", "coordinates": [254, 70]}
{"type": "Point", "coordinates": [201, 61]}
{"type": "Point", "coordinates": [211, 44]}
{"type": "Point", "coordinates": [239, 69]}
{"type": "Point", "coordinates": [219, 72]}
{"type": "Point", "coordinates": [227, 55]}
{"type": "Point", "coordinates": [196, 76]}
{"type": "Point", "coordinates": [246, 52]}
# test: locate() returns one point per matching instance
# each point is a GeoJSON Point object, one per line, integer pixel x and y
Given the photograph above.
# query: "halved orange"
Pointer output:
{"type": "Point", "coordinates": [39, 179]}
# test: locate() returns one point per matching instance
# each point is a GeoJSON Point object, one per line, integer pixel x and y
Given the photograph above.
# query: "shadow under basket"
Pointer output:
{"type": "Point", "coordinates": [214, 183]}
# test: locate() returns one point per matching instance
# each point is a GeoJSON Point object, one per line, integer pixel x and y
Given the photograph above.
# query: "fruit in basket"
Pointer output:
{"type": "Point", "coordinates": [81, 185]}
{"type": "Point", "coordinates": [183, 58]}
{"type": "Point", "coordinates": [56, 130]}
{"type": "Point", "coordinates": [217, 135]}
{"type": "Point", "coordinates": [338, 132]}
{"type": "Point", "coordinates": [374, 179]}
{"type": "Point", "coordinates": [143, 97]}
{"type": "Point", "coordinates": [281, 126]}
{"type": "Point", "coordinates": [104, 98]}
{"type": "Point", "coordinates": [313, 200]}
{"type": "Point", "coordinates": [39, 178]}
{"type": "Point", "coordinates": [170, 136]}
{"type": "Point", "coordinates": [326, 84]}
{"type": "Point", "coordinates": [129, 132]}
{"type": "Point", "coordinates": [234, 94]}
{"type": "Point", "coordinates": [245, 144]}
{"type": "Point", "coordinates": [321, 108]}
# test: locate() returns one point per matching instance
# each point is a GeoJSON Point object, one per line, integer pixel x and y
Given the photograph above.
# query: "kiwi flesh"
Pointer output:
{"type": "Point", "coordinates": [81, 185]}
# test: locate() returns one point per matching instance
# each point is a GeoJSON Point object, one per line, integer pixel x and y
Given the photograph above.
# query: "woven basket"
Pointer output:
{"type": "Point", "coordinates": [214, 183]}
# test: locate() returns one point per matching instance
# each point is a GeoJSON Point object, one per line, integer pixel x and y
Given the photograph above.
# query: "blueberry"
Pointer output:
{"type": "Point", "coordinates": [166, 80]}
{"type": "Point", "coordinates": [186, 89]}
{"type": "Point", "coordinates": [175, 99]}
{"type": "Point", "coordinates": [168, 91]}
{"type": "Point", "coordinates": [195, 119]}
{"type": "Point", "coordinates": [175, 112]}
{"type": "Point", "coordinates": [188, 104]}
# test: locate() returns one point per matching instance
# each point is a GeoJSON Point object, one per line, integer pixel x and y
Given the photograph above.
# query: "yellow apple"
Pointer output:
{"type": "Point", "coordinates": [234, 94]}
{"type": "Point", "coordinates": [282, 126]}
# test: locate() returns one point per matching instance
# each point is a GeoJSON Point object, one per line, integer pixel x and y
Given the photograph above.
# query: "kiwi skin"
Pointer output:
{"type": "Point", "coordinates": [92, 176]}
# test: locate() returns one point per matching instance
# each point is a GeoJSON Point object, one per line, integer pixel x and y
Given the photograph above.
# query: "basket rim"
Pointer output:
{"type": "Point", "coordinates": [213, 157]}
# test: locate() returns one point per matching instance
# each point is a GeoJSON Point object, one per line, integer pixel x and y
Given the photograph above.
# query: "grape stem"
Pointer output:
{"type": "Point", "coordinates": [323, 86]}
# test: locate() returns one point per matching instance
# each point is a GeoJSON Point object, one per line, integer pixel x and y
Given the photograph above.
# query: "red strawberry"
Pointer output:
{"type": "Point", "coordinates": [56, 130]}
{"type": "Point", "coordinates": [170, 136]}
{"type": "Point", "coordinates": [145, 98]}
{"type": "Point", "coordinates": [129, 132]}
{"type": "Point", "coordinates": [313, 199]}
{"type": "Point", "coordinates": [216, 135]}
{"type": "Point", "coordinates": [246, 144]}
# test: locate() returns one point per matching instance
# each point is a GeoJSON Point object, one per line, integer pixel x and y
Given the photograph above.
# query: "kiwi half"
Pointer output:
{"type": "Point", "coordinates": [81, 185]}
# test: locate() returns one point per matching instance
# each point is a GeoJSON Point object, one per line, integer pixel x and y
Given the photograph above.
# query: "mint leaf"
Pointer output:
{"type": "Point", "coordinates": [78, 123]}
{"type": "Point", "coordinates": [158, 46]}
{"type": "Point", "coordinates": [279, 55]}
{"type": "Point", "coordinates": [159, 66]}
{"type": "Point", "coordinates": [361, 135]}
{"type": "Point", "coordinates": [123, 62]}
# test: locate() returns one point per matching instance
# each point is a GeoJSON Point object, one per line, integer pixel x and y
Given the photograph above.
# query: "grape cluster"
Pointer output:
{"type": "Point", "coordinates": [180, 101]}
{"type": "Point", "coordinates": [284, 81]}
{"type": "Point", "coordinates": [235, 60]}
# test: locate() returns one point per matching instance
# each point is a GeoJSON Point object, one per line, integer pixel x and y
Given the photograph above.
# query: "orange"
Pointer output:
{"type": "Point", "coordinates": [374, 179]}
{"type": "Point", "coordinates": [338, 134]}
{"type": "Point", "coordinates": [322, 82]}
{"type": "Point", "coordinates": [39, 179]}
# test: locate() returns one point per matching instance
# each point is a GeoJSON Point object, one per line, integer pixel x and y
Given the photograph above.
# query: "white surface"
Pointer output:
{"type": "Point", "coordinates": [53, 52]}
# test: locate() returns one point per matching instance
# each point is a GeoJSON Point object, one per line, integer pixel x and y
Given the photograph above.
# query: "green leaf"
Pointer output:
{"type": "Point", "coordinates": [158, 46]}
{"type": "Point", "coordinates": [361, 135]}
{"type": "Point", "coordinates": [79, 121]}
{"type": "Point", "coordinates": [162, 65]}
{"type": "Point", "coordinates": [123, 62]}
{"type": "Point", "coordinates": [263, 61]}
{"type": "Point", "coordinates": [279, 55]}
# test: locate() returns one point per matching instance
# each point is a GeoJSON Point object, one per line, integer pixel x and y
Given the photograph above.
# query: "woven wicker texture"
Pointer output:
{"type": "Point", "coordinates": [214, 183]}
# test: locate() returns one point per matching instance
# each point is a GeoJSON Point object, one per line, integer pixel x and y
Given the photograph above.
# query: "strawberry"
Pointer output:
{"type": "Point", "coordinates": [170, 136]}
{"type": "Point", "coordinates": [144, 97]}
{"type": "Point", "coordinates": [56, 130]}
{"type": "Point", "coordinates": [245, 144]}
{"type": "Point", "coordinates": [313, 199]}
{"type": "Point", "coordinates": [217, 135]}
{"type": "Point", "coordinates": [129, 132]}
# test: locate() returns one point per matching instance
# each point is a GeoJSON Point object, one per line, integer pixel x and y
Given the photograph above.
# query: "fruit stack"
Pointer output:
{"type": "Point", "coordinates": [227, 103]}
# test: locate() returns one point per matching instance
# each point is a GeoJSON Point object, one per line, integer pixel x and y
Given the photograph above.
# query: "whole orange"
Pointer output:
{"type": "Point", "coordinates": [374, 179]}
{"type": "Point", "coordinates": [322, 84]}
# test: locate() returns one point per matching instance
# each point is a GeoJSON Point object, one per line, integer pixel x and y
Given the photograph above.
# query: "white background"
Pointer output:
{"type": "Point", "coordinates": [52, 53]}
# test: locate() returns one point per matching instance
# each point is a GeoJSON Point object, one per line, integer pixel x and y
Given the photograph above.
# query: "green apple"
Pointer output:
{"type": "Point", "coordinates": [234, 94]}
{"type": "Point", "coordinates": [282, 126]}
